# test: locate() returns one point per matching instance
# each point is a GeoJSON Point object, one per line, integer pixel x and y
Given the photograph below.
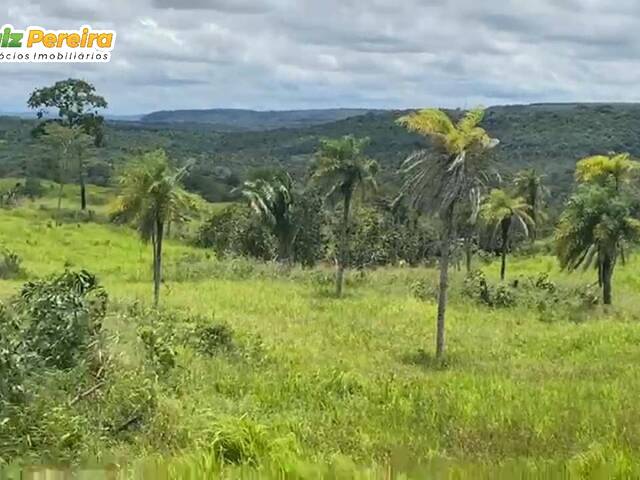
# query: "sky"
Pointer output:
{"type": "Point", "coordinates": [294, 54]}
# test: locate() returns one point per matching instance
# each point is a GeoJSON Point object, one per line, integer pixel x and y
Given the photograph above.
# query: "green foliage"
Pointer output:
{"type": "Point", "coordinates": [438, 182]}
{"type": "Point", "coordinates": [13, 358]}
{"type": "Point", "coordinates": [595, 228]}
{"type": "Point", "coordinates": [274, 201]}
{"type": "Point", "coordinates": [159, 343]}
{"type": "Point", "coordinates": [76, 103]}
{"type": "Point", "coordinates": [11, 265]}
{"type": "Point", "coordinates": [235, 231]}
{"type": "Point", "coordinates": [529, 184]}
{"type": "Point", "coordinates": [32, 188]}
{"type": "Point", "coordinates": [63, 316]}
{"type": "Point", "coordinates": [604, 170]}
{"type": "Point", "coordinates": [151, 195]}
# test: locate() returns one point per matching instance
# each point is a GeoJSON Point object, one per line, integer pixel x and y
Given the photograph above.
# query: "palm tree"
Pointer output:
{"type": "Point", "coordinates": [603, 169]}
{"type": "Point", "coordinates": [529, 184]}
{"type": "Point", "coordinates": [151, 196]}
{"type": "Point", "coordinates": [500, 211]}
{"type": "Point", "coordinates": [274, 201]}
{"type": "Point", "coordinates": [594, 229]}
{"type": "Point", "coordinates": [341, 170]}
{"type": "Point", "coordinates": [440, 181]}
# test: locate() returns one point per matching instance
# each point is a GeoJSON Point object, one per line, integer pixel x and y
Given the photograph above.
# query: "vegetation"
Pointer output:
{"type": "Point", "coordinates": [500, 212]}
{"type": "Point", "coordinates": [529, 184]}
{"type": "Point", "coordinates": [151, 198]}
{"type": "Point", "coordinates": [441, 182]}
{"type": "Point", "coordinates": [341, 171]}
{"type": "Point", "coordinates": [250, 369]}
{"type": "Point", "coordinates": [274, 201]}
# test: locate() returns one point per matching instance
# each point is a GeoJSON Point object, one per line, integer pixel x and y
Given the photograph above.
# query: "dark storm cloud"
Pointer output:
{"type": "Point", "coordinates": [309, 53]}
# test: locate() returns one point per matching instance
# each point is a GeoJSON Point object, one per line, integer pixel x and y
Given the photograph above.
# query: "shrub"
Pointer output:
{"type": "Point", "coordinates": [12, 358]}
{"type": "Point", "coordinates": [211, 339]}
{"type": "Point", "coordinates": [11, 266]}
{"type": "Point", "coordinates": [424, 290]}
{"type": "Point", "coordinates": [63, 315]}
{"type": "Point", "coordinates": [236, 231]}
{"type": "Point", "coordinates": [159, 344]}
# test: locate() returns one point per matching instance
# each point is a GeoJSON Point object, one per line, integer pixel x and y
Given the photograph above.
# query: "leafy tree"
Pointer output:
{"type": "Point", "coordinates": [152, 195]}
{"type": "Point", "coordinates": [500, 211]}
{"type": "Point", "coordinates": [603, 169]}
{"type": "Point", "coordinates": [70, 145]}
{"type": "Point", "coordinates": [593, 230]}
{"type": "Point", "coordinates": [235, 230]}
{"type": "Point", "coordinates": [442, 181]}
{"type": "Point", "coordinates": [529, 184]}
{"type": "Point", "coordinates": [78, 106]}
{"type": "Point", "coordinates": [342, 169]}
{"type": "Point", "coordinates": [274, 201]}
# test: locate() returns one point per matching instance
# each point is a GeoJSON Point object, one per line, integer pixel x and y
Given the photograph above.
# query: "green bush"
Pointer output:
{"type": "Point", "coordinates": [236, 231]}
{"type": "Point", "coordinates": [63, 316]}
{"type": "Point", "coordinates": [11, 265]}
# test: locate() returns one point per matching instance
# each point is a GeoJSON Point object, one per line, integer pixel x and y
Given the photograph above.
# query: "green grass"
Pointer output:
{"type": "Point", "coordinates": [324, 381]}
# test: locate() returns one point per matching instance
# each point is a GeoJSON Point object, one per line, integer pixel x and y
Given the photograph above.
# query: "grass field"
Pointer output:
{"type": "Point", "coordinates": [350, 383]}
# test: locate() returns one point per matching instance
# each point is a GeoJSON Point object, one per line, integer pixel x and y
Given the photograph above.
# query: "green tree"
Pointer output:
{"type": "Point", "coordinates": [341, 170]}
{"type": "Point", "coordinates": [604, 169]}
{"type": "Point", "coordinates": [529, 184]}
{"type": "Point", "coordinates": [274, 202]}
{"type": "Point", "coordinates": [593, 230]}
{"type": "Point", "coordinates": [501, 211]}
{"type": "Point", "coordinates": [78, 106]}
{"type": "Point", "coordinates": [151, 196]}
{"type": "Point", "coordinates": [443, 180]}
{"type": "Point", "coordinates": [70, 146]}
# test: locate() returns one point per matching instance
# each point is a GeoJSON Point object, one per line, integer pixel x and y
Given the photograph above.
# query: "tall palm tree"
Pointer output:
{"type": "Point", "coordinates": [274, 201]}
{"type": "Point", "coordinates": [529, 184]}
{"type": "Point", "coordinates": [152, 195]}
{"type": "Point", "coordinates": [601, 169]}
{"type": "Point", "coordinates": [501, 211]}
{"type": "Point", "coordinates": [441, 181]}
{"type": "Point", "coordinates": [593, 230]}
{"type": "Point", "coordinates": [342, 170]}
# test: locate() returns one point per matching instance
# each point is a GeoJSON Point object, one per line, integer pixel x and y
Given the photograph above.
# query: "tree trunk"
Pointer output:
{"type": "Point", "coordinates": [607, 274]}
{"type": "Point", "coordinates": [445, 250]}
{"type": "Point", "coordinates": [506, 225]}
{"type": "Point", "coordinates": [468, 253]}
{"type": "Point", "coordinates": [83, 193]}
{"type": "Point", "coordinates": [60, 192]}
{"type": "Point", "coordinates": [284, 252]}
{"type": "Point", "coordinates": [343, 256]}
{"type": "Point", "coordinates": [534, 213]}
{"type": "Point", "coordinates": [157, 263]}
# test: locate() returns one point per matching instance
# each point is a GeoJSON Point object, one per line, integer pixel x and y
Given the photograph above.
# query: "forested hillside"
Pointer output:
{"type": "Point", "coordinates": [229, 119]}
{"type": "Point", "coordinates": [550, 137]}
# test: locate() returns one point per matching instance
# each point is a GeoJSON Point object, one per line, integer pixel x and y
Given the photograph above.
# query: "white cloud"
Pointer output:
{"type": "Point", "coordinates": [378, 53]}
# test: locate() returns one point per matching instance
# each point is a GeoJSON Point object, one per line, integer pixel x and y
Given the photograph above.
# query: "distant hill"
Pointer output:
{"type": "Point", "coordinates": [252, 120]}
{"type": "Point", "coordinates": [550, 137]}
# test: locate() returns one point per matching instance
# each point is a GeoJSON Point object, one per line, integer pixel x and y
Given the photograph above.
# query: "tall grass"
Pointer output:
{"type": "Point", "coordinates": [319, 387]}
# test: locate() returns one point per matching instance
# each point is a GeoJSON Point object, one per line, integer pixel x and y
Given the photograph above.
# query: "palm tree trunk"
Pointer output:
{"type": "Point", "coordinates": [343, 257]}
{"type": "Point", "coordinates": [83, 193]}
{"type": "Point", "coordinates": [468, 253]}
{"type": "Point", "coordinates": [506, 225]}
{"type": "Point", "coordinates": [444, 282]}
{"type": "Point", "coordinates": [607, 275]}
{"type": "Point", "coordinates": [157, 264]}
{"type": "Point", "coordinates": [60, 192]}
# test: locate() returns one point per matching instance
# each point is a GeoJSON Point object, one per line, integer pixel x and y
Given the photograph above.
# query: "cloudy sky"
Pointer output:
{"type": "Point", "coordinates": [288, 54]}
